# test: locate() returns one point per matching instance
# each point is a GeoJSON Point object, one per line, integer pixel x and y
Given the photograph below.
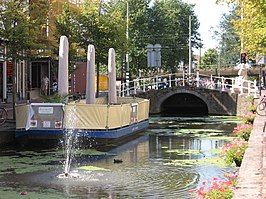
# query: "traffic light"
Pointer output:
{"type": "Point", "coordinates": [243, 59]}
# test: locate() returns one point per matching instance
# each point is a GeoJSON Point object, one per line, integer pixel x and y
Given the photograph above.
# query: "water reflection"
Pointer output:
{"type": "Point", "coordinates": [152, 164]}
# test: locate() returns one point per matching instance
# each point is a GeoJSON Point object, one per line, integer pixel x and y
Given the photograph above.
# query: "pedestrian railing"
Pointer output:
{"type": "Point", "coordinates": [237, 84]}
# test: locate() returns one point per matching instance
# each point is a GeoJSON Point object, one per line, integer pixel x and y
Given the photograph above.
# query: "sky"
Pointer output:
{"type": "Point", "coordinates": [209, 15]}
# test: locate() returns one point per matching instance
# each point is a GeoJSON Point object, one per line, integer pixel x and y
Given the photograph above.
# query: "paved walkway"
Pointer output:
{"type": "Point", "coordinates": [252, 173]}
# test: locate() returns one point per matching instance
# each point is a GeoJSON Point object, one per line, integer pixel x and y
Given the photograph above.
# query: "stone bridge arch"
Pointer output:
{"type": "Point", "coordinates": [184, 102]}
{"type": "Point", "coordinates": [217, 102]}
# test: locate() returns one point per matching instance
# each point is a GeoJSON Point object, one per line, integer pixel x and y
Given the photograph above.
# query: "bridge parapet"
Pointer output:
{"type": "Point", "coordinates": [237, 84]}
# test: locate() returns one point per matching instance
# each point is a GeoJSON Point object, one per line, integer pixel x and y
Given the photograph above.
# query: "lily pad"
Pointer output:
{"type": "Point", "coordinates": [215, 160]}
{"type": "Point", "coordinates": [225, 138]}
{"type": "Point", "coordinates": [93, 168]}
{"type": "Point", "coordinates": [90, 152]}
{"type": "Point", "coordinates": [184, 151]}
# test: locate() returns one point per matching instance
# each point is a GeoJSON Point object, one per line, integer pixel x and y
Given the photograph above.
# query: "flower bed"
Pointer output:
{"type": "Point", "coordinates": [243, 131]}
{"type": "Point", "coordinates": [248, 118]}
{"type": "Point", "coordinates": [217, 188]}
{"type": "Point", "coordinates": [232, 152]}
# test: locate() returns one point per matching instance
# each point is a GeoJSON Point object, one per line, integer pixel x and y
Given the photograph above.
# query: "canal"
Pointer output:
{"type": "Point", "coordinates": [167, 160]}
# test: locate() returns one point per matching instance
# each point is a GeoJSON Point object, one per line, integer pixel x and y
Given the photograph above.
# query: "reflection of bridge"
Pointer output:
{"type": "Point", "coordinates": [202, 95]}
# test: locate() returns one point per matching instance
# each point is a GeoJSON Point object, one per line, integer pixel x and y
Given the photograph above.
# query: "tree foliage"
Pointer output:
{"type": "Point", "coordinates": [163, 22]}
{"type": "Point", "coordinates": [101, 27]}
{"type": "Point", "coordinates": [66, 24]}
{"type": "Point", "coordinates": [103, 24]}
{"type": "Point", "coordinates": [20, 31]}
{"type": "Point", "coordinates": [210, 59]}
{"type": "Point", "coordinates": [170, 27]}
{"type": "Point", "coordinates": [251, 24]}
{"type": "Point", "coordinates": [20, 27]}
{"type": "Point", "coordinates": [229, 45]}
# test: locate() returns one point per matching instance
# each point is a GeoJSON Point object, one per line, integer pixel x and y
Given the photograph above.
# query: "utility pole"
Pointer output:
{"type": "Point", "coordinates": [190, 49]}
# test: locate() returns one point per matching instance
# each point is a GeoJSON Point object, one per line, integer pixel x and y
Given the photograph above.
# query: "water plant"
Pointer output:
{"type": "Point", "coordinates": [234, 151]}
{"type": "Point", "coordinates": [243, 131]}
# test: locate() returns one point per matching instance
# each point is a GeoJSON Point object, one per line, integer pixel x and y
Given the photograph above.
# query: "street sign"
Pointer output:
{"type": "Point", "coordinates": [261, 60]}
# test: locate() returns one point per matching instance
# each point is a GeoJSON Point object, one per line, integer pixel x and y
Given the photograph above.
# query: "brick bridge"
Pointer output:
{"type": "Point", "coordinates": [195, 100]}
{"type": "Point", "coordinates": [202, 96]}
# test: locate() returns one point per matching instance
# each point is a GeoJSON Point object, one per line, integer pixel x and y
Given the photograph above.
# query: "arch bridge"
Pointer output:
{"type": "Point", "coordinates": [203, 95]}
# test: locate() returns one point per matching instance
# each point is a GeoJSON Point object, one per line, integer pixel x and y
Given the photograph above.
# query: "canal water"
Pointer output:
{"type": "Point", "coordinates": [167, 160]}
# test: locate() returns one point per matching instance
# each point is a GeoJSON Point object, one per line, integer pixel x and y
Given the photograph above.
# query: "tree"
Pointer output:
{"type": "Point", "coordinates": [210, 59]}
{"type": "Point", "coordinates": [138, 32]}
{"type": "Point", "coordinates": [251, 24]}
{"type": "Point", "coordinates": [20, 31]}
{"type": "Point", "coordinates": [170, 27]}
{"type": "Point", "coordinates": [100, 25]}
{"type": "Point", "coordinates": [160, 22]}
{"type": "Point", "coordinates": [229, 45]}
{"type": "Point", "coordinates": [67, 24]}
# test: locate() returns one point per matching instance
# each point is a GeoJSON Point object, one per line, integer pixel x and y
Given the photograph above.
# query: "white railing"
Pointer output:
{"type": "Point", "coordinates": [201, 81]}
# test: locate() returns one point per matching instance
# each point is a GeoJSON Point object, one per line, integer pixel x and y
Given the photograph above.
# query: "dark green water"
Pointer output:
{"type": "Point", "coordinates": [166, 161]}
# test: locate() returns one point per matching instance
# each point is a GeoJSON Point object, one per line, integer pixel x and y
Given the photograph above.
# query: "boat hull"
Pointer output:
{"type": "Point", "coordinates": [53, 136]}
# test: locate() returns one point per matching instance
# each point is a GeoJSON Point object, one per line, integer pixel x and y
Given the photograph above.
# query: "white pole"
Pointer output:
{"type": "Point", "coordinates": [23, 79]}
{"type": "Point", "coordinates": [190, 49]}
{"type": "Point", "coordinates": [63, 67]}
{"type": "Point", "coordinates": [112, 97]}
{"type": "Point", "coordinates": [127, 54]}
{"type": "Point", "coordinates": [90, 77]}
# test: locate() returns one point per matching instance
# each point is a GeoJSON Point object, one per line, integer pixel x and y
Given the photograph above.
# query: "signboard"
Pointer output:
{"type": "Point", "coordinates": [9, 68]}
{"type": "Point", "coordinates": [134, 113]}
{"type": "Point", "coordinates": [46, 115]}
{"type": "Point", "coordinates": [261, 60]}
{"type": "Point", "coordinates": [154, 55]}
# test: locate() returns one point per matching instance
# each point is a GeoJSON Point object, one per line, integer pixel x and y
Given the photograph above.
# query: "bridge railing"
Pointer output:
{"type": "Point", "coordinates": [237, 84]}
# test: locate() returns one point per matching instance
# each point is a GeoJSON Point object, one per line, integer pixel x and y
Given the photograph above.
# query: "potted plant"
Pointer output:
{"type": "Point", "coordinates": [234, 151]}
{"type": "Point", "coordinates": [243, 131]}
{"type": "Point", "coordinates": [248, 118]}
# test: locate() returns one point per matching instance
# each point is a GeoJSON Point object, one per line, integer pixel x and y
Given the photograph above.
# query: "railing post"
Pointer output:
{"type": "Point", "coordinates": [170, 81]}
{"type": "Point", "coordinates": [135, 85]}
{"type": "Point", "coordinates": [241, 87]}
{"type": "Point", "coordinates": [197, 78]}
{"type": "Point", "coordinates": [255, 89]}
{"type": "Point", "coordinates": [127, 87]}
{"type": "Point", "coordinates": [183, 78]}
{"type": "Point", "coordinates": [233, 86]}
{"type": "Point", "coordinates": [144, 86]}
{"type": "Point", "coordinates": [123, 88]}
{"type": "Point", "coordinates": [212, 83]}
{"type": "Point", "coordinates": [156, 82]}
{"type": "Point", "coordinates": [249, 89]}
{"type": "Point", "coordinates": [120, 90]}
{"type": "Point", "coordinates": [223, 85]}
